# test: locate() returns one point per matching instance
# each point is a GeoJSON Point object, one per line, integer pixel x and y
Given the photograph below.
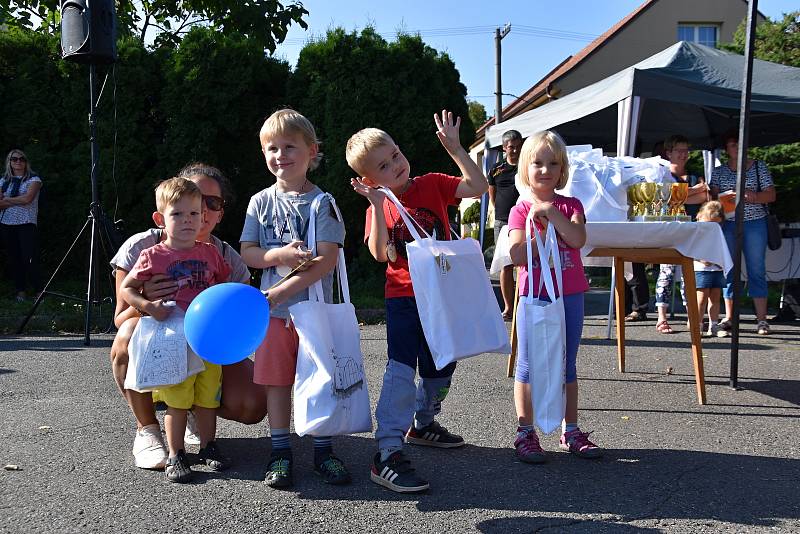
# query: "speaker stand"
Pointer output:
{"type": "Point", "coordinates": [99, 231]}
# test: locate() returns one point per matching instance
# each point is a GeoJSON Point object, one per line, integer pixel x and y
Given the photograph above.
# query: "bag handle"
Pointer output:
{"type": "Point", "coordinates": [410, 223]}
{"type": "Point", "coordinates": [315, 291]}
{"type": "Point", "coordinates": [547, 247]}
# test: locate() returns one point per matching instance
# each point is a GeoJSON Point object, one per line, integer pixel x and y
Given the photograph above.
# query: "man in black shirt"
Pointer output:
{"type": "Point", "coordinates": [503, 195]}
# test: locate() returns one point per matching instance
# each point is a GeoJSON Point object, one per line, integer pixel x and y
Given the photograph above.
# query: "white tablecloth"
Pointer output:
{"type": "Point", "coordinates": [702, 241]}
{"type": "Point", "coordinates": [698, 240]}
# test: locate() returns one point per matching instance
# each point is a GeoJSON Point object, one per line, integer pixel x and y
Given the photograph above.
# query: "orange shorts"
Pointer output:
{"type": "Point", "coordinates": [276, 357]}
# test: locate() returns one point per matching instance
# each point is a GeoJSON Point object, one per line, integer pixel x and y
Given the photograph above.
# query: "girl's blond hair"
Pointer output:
{"type": "Point", "coordinates": [290, 122]}
{"type": "Point", "coordinates": [711, 210]}
{"type": "Point", "coordinates": [532, 145]}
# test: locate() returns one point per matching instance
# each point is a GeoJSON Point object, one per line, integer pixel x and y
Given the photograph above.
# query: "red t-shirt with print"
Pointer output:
{"type": "Point", "coordinates": [426, 200]}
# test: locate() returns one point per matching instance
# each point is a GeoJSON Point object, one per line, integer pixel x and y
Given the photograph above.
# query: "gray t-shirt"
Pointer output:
{"type": "Point", "coordinates": [275, 219]}
{"type": "Point", "coordinates": [128, 253]}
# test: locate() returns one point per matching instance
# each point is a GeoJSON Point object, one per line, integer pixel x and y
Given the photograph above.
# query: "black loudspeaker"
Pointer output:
{"type": "Point", "coordinates": [89, 31]}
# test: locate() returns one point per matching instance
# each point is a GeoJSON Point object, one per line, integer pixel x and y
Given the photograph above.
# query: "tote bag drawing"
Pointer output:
{"type": "Point", "coordinates": [330, 388]}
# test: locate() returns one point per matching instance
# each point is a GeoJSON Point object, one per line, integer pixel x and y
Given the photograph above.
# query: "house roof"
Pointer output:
{"type": "Point", "coordinates": [540, 89]}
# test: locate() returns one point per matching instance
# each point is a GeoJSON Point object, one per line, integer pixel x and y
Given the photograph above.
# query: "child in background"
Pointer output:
{"type": "Point", "coordinates": [195, 266]}
{"type": "Point", "coordinates": [709, 276]}
{"type": "Point", "coordinates": [543, 168]}
{"type": "Point", "coordinates": [274, 239]}
{"type": "Point", "coordinates": [378, 160]}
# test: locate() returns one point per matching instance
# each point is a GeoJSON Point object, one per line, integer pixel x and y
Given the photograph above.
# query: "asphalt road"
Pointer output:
{"type": "Point", "coordinates": [670, 464]}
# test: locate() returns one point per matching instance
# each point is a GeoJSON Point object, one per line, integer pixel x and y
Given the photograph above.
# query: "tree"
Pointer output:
{"type": "Point", "coordinates": [349, 81]}
{"type": "Point", "coordinates": [779, 42]}
{"type": "Point", "coordinates": [477, 113]}
{"type": "Point", "coordinates": [167, 21]}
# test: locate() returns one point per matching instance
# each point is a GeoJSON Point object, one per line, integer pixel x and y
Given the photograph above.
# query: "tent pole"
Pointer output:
{"type": "Point", "coordinates": [741, 176]}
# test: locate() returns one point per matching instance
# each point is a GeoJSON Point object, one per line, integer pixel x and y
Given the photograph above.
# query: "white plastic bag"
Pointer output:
{"type": "Point", "coordinates": [159, 355]}
{"type": "Point", "coordinates": [457, 307]}
{"type": "Point", "coordinates": [330, 388]}
{"type": "Point", "coordinates": [541, 334]}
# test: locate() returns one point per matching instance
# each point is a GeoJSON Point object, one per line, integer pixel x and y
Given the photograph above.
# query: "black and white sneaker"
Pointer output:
{"type": "Point", "coordinates": [434, 435]}
{"type": "Point", "coordinates": [177, 468]}
{"type": "Point", "coordinates": [211, 456]}
{"type": "Point", "coordinates": [396, 474]}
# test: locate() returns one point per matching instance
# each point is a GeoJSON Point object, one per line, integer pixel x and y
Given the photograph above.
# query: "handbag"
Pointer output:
{"type": "Point", "coordinates": [541, 333]}
{"type": "Point", "coordinates": [330, 387]}
{"type": "Point", "coordinates": [774, 238]}
{"type": "Point", "coordinates": [457, 307]}
{"type": "Point", "coordinates": [159, 355]}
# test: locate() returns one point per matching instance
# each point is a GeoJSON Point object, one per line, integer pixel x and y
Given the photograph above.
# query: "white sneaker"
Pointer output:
{"type": "Point", "coordinates": [191, 436]}
{"type": "Point", "coordinates": [148, 448]}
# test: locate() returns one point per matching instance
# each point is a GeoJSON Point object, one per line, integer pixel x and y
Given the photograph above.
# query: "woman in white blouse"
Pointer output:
{"type": "Point", "coordinates": [19, 209]}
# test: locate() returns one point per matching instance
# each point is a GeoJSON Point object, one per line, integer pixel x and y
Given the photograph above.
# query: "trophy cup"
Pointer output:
{"type": "Point", "coordinates": [632, 203]}
{"type": "Point", "coordinates": [649, 191]}
{"type": "Point", "coordinates": [680, 192]}
{"type": "Point", "coordinates": [662, 204]}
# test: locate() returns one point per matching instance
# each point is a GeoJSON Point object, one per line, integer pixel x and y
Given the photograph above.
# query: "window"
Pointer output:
{"type": "Point", "coordinates": [704, 34]}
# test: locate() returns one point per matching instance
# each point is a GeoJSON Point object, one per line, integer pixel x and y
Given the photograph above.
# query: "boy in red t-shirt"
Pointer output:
{"type": "Point", "coordinates": [379, 162]}
{"type": "Point", "coordinates": [195, 266]}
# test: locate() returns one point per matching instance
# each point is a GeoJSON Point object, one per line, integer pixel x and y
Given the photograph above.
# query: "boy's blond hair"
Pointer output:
{"type": "Point", "coordinates": [290, 122]}
{"type": "Point", "coordinates": [361, 143]}
{"type": "Point", "coordinates": [532, 144]}
{"type": "Point", "coordinates": [711, 210]}
{"type": "Point", "coordinates": [171, 191]}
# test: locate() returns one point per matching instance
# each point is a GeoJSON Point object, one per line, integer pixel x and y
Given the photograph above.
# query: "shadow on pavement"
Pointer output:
{"type": "Point", "coordinates": [51, 344]}
{"type": "Point", "coordinates": [624, 486]}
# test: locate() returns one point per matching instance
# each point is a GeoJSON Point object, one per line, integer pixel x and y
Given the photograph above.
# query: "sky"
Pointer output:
{"type": "Point", "coordinates": [542, 34]}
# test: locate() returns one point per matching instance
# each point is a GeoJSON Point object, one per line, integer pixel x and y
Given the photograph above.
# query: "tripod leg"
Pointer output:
{"type": "Point", "coordinates": [90, 286]}
{"type": "Point", "coordinates": [41, 295]}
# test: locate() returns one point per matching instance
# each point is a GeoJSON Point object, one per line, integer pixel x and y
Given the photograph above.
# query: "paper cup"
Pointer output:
{"type": "Point", "coordinates": [728, 201]}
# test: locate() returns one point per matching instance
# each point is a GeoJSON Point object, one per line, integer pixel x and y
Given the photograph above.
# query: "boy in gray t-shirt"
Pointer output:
{"type": "Point", "coordinates": [275, 239]}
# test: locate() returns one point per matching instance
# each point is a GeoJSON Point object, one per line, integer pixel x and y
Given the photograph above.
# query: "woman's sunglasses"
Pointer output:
{"type": "Point", "coordinates": [214, 203]}
{"type": "Point", "coordinates": [15, 159]}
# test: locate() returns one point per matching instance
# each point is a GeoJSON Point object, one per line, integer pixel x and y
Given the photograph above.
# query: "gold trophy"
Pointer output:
{"type": "Point", "coordinates": [631, 202]}
{"type": "Point", "coordinates": [664, 194]}
{"type": "Point", "coordinates": [680, 192]}
{"type": "Point", "coordinates": [649, 191]}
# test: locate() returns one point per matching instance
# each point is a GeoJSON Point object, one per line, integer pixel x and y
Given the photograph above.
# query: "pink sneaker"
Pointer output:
{"type": "Point", "coordinates": [527, 447]}
{"type": "Point", "coordinates": [578, 443]}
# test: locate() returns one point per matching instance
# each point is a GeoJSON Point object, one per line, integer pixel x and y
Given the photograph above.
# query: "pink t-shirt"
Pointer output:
{"type": "Point", "coordinates": [571, 264]}
{"type": "Point", "coordinates": [194, 269]}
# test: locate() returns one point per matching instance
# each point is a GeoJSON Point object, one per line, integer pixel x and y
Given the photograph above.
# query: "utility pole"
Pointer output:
{"type": "Point", "coordinates": [498, 105]}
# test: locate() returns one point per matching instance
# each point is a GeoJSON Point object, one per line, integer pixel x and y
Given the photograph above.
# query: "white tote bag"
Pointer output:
{"type": "Point", "coordinates": [159, 356]}
{"type": "Point", "coordinates": [457, 307]}
{"type": "Point", "coordinates": [541, 334]}
{"type": "Point", "coordinates": [330, 387]}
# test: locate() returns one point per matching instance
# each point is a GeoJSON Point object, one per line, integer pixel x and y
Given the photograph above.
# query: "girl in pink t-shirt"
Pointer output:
{"type": "Point", "coordinates": [543, 168]}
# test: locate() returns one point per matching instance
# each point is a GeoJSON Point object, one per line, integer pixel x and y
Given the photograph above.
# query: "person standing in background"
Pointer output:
{"type": "Point", "coordinates": [503, 196]}
{"type": "Point", "coordinates": [19, 210]}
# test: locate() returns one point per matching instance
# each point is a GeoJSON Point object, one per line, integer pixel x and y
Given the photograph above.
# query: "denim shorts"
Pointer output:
{"type": "Point", "coordinates": [709, 279]}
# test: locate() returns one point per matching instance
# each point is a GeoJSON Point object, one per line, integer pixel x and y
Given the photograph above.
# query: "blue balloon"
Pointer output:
{"type": "Point", "coordinates": [227, 322]}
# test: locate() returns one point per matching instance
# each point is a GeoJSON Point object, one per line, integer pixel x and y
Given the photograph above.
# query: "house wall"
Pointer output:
{"type": "Point", "coordinates": [653, 30]}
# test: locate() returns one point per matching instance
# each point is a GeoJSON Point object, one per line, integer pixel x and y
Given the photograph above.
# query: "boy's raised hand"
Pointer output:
{"type": "Point", "coordinates": [447, 130]}
{"type": "Point", "coordinates": [373, 194]}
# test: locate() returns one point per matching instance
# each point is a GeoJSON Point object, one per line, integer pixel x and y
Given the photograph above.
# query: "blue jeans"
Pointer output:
{"type": "Point", "coordinates": [573, 318]}
{"type": "Point", "coordinates": [401, 400]}
{"type": "Point", "coordinates": [754, 247]}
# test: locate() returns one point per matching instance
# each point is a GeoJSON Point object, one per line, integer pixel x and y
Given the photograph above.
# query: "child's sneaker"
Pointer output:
{"type": "Point", "coordinates": [148, 448]}
{"type": "Point", "coordinates": [211, 456]}
{"type": "Point", "coordinates": [763, 328]}
{"type": "Point", "coordinates": [578, 443]}
{"type": "Point", "coordinates": [177, 469]}
{"type": "Point", "coordinates": [434, 435]}
{"type": "Point", "coordinates": [279, 470]}
{"type": "Point", "coordinates": [191, 436]}
{"type": "Point", "coordinates": [527, 447]}
{"type": "Point", "coordinates": [332, 470]}
{"type": "Point", "coordinates": [396, 474]}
